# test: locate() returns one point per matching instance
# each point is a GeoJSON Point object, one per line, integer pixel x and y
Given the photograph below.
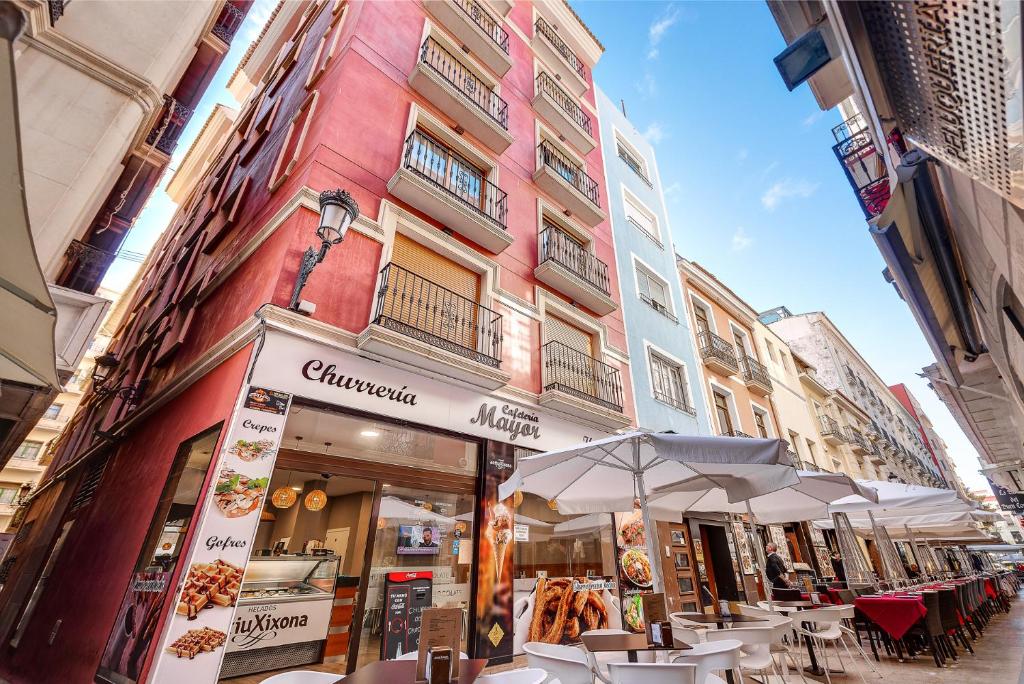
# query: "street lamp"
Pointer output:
{"type": "Point", "coordinates": [102, 373]}
{"type": "Point", "coordinates": [337, 212]}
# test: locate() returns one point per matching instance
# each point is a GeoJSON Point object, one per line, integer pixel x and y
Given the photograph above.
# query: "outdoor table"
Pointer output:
{"type": "Point", "coordinates": [630, 643]}
{"type": "Point", "coordinates": [404, 672]}
{"type": "Point", "coordinates": [721, 620]}
{"type": "Point", "coordinates": [894, 615]}
{"type": "Point", "coordinates": [793, 604]}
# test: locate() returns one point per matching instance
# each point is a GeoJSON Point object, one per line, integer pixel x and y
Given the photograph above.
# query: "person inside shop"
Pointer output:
{"type": "Point", "coordinates": [837, 566]}
{"type": "Point", "coordinates": [775, 567]}
{"type": "Point", "coordinates": [914, 572]}
{"type": "Point", "coordinates": [428, 539]}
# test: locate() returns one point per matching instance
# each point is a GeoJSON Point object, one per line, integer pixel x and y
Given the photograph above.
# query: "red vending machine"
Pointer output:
{"type": "Point", "coordinates": [406, 594]}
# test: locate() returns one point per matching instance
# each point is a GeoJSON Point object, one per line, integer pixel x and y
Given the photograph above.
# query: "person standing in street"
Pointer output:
{"type": "Point", "coordinates": [775, 567]}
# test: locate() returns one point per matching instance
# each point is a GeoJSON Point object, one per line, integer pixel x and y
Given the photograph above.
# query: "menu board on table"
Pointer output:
{"type": "Point", "coordinates": [441, 627]}
{"type": "Point", "coordinates": [197, 632]}
{"type": "Point", "coordinates": [653, 607]}
{"type": "Point", "coordinates": [634, 567]}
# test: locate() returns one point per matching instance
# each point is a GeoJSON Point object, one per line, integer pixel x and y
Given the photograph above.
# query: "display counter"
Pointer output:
{"type": "Point", "coordinates": [283, 614]}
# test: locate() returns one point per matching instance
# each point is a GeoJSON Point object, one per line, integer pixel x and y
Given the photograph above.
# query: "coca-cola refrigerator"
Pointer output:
{"type": "Point", "coordinates": [406, 594]}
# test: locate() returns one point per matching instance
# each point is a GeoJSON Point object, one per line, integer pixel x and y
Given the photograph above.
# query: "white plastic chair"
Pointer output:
{"type": "Point", "coordinates": [304, 677]}
{"type": "Point", "coordinates": [781, 646]}
{"type": "Point", "coordinates": [599, 661]}
{"type": "Point", "coordinates": [652, 673]}
{"type": "Point", "coordinates": [827, 628]}
{"type": "Point", "coordinates": [565, 664]}
{"type": "Point", "coordinates": [756, 651]}
{"type": "Point", "coordinates": [412, 655]}
{"type": "Point", "coordinates": [711, 657]}
{"type": "Point", "coordinates": [532, 675]}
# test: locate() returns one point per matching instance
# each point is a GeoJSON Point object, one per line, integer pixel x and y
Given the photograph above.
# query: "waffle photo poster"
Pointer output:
{"type": "Point", "coordinates": [207, 593]}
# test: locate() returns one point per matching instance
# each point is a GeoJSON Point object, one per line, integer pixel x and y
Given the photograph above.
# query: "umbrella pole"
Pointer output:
{"type": "Point", "coordinates": [762, 562]}
{"type": "Point", "coordinates": [650, 531]}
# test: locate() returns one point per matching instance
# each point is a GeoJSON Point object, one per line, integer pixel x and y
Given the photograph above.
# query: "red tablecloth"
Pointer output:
{"type": "Point", "coordinates": [895, 615]}
{"type": "Point", "coordinates": [825, 598]}
{"type": "Point", "coordinates": [835, 596]}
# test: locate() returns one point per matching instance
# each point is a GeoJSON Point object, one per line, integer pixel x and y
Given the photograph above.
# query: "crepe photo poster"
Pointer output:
{"type": "Point", "coordinates": [201, 624]}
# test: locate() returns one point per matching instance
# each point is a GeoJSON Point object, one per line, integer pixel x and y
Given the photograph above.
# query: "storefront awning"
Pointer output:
{"type": "Point", "coordinates": [27, 313]}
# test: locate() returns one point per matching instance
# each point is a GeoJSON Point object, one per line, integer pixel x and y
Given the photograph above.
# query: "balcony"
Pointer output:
{"type": "Point", "coordinates": [172, 121]}
{"type": "Point", "coordinates": [717, 354]}
{"type": "Point", "coordinates": [755, 376]}
{"type": "Point", "coordinates": [681, 403]}
{"type": "Point", "coordinates": [858, 442]}
{"type": "Point", "coordinates": [568, 68]}
{"type": "Point", "coordinates": [830, 430]}
{"type": "Point", "coordinates": [737, 433]}
{"type": "Point", "coordinates": [449, 84]}
{"type": "Point", "coordinates": [480, 32]}
{"type": "Point", "coordinates": [420, 323]}
{"type": "Point", "coordinates": [86, 266]}
{"type": "Point", "coordinates": [569, 268]}
{"type": "Point", "coordinates": [864, 167]}
{"type": "Point", "coordinates": [559, 109]}
{"type": "Point", "coordinates": [228, 22]}
{"type": "Point", "coordinates": [440, 183]}
{"type": "Point", "coordinates": [569, 184]}
{"type": "Point", "coordinates": [581, 386]}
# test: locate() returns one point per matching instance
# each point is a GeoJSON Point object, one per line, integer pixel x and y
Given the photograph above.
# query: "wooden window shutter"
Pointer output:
{"type": "Point", "coordinates": [557, 330]}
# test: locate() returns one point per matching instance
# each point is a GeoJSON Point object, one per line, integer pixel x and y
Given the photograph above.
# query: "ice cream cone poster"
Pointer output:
{"type": "Point", "coordinates": [493, 631]}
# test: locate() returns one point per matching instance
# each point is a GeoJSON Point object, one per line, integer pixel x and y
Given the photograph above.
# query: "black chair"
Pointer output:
{"type": "Point", "coordinates": [950, 623]}
{"type": "Point", "coordinates": [786, 594]}
{"type": "Point", "coordinates": [929, 630]}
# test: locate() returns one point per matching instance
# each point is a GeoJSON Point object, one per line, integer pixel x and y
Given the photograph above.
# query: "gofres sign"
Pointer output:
{"type": "Point", "coordinates": [308, 369]}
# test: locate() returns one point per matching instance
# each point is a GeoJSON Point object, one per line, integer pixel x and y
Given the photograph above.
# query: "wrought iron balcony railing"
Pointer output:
{"type": "Point", "coordinates": [446, 65]}
{"type": "Point", "coordinates": [855, 437]}
{"type": "Point", "coordinates": [658, 306]}
{"type": "Point", "coordinates": [485, 21]}
{"type": "Point", "coordinates": [736, 433]}
{"type": "Point", "coordinates": [56, 9]}
{"type": "Point", "coordinates": [633, 163]}
{"type": "Point", "coordinates": [557, 246]}
{"type": "Point", "coordinates": [754, 371]}
{"type": "Point", "coordinates": [584, 377]}
{"type": "Point", "coordinates": [173, 119]}
{"type": "Point", "coordinates": [423, 310]}
{"type": "Point", "coordinates": [681, 403]}
{"type": "Point", "coordinates": [714, 347]}
{"type": "Point", "coordinates": [830, 428]}
{"type": "Point", "coordinates": [548, 156]}
{"type": "Point", "coordinates": [863, 165]}
{"type": "Point", "coordinates": [228, 22]}
{"type": "Point", "coordinates": [439, 165]}
{"type": "Point", "coordinates": [87, 265]}
{"type": "Point", "coordinates": [545, 29]}
{"type": "Point", "coordinates": [564, 100]}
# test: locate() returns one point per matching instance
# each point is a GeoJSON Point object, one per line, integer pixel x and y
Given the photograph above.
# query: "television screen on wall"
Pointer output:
{"type": "Point", "coordinates": [418, 540]}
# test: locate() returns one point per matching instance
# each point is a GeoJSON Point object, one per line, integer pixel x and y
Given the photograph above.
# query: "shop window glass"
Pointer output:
{"type": "Point", "coordinates": [365, 439]}
{"type": "Point", "coordinates": [134, 627]}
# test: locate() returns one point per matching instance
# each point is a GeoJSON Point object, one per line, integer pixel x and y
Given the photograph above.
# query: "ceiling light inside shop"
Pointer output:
{"type": "Point", "coordinates": [370, 433]}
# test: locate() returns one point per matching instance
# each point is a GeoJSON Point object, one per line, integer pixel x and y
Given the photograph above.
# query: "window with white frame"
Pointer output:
{"type": "Point", "coordinates": [668, 380]}
{"type": "Point", "coordinates": [633, 159]}
{"type": "Point", "coordinates": [28, 451]}
{"type": "Point", "coordinates": [641, 219]}
{"type": "Point", "coordinates": [53, 411]}
{"type": "Point", "coordinates": [761, 423]}
{"type": "Point", "coordinates": [653, 291]}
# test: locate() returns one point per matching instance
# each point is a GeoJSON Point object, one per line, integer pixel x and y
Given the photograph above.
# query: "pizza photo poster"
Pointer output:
{"type": "Point", "coordinates": [194, 642]}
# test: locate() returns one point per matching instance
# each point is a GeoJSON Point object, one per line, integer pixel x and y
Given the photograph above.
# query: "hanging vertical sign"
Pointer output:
{"type": "Point", "coordinates": [494, 557]}
{"type": "Point", "coordinates": [194, 641]}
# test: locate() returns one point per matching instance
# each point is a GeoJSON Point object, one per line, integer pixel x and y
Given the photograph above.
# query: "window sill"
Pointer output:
{"type": "Point", "coordinates": [690, 411]}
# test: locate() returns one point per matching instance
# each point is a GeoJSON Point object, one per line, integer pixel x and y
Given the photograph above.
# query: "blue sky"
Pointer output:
{"type": "Point", "coordinates": [754, 191]}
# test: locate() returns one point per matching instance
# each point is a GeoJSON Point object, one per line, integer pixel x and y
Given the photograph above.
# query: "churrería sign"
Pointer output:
{"type": "Point", "coordinates": [307, 369]}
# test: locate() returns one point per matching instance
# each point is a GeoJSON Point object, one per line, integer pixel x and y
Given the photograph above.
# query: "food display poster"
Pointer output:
{"type": "Point", "coordinates": [778, 535]}
{"type": "Point", "coordinates": [746, 559]}
{"type": "Point", "coordinates": [493, 610]}
{"type": "Point", "coordinates": [203, 615]}
{"type": "Point", "coordinates": [562, 608]}
{"type": "Point", "coordinates": [634, 567]}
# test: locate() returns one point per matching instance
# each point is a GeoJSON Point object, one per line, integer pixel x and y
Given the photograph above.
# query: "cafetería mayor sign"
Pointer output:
{"type": "Point", "coordinates": [317, 371]}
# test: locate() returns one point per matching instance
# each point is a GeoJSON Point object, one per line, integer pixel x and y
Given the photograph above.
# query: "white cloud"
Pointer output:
{"type": "Point", "coordinates": [647, 86]}
{"type": "Point", "coordinates": [256, 18]}
{"type": "Point", "coordinates": [812, 118]}
{"type": "Point", "coordinates": [740, 240]}
{"type": "Point", "coordinates": [654, 133]}
{"type": "Point", "coordinates": [656, 31]}
{"type": "Point", "coordinates": [787, 188]}
{"type": "Point", "coordinates": [672, 191]}
{"type": "Point", "coordinates": [742, 154]}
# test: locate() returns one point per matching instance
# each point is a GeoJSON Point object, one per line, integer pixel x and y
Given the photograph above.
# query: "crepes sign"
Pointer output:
{"type": "Point", "coordinates": [203, 622]}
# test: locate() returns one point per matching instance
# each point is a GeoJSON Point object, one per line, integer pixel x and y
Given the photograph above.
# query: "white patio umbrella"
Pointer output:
{"type": "Point", "coordinates": [807, 499]}
{"type": "Point", "coordinates": [894, 495]}
{"type": "Point", "coordinates": [607, 475]}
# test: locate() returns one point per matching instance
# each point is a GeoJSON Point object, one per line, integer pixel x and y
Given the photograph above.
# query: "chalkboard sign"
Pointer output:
{"type": "Point", "coordinates": [406, 594]}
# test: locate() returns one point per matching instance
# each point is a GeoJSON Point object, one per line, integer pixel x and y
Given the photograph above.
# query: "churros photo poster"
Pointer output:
{"type": "Point", "coordinates": [201, 623]}
{"type": "Point", "coordinates": [493, 624]}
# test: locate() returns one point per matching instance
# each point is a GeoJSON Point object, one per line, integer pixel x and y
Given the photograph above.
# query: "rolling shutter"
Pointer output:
{"type": "Point", "coordinates": [557, 330]}
{"type": "Point", "coordinates": [412, 256]}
